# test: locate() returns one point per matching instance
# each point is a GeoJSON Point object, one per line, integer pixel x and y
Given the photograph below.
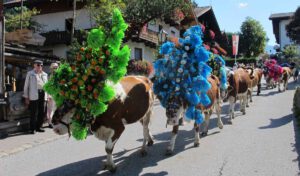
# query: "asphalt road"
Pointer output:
{"type": "Point", "coordinates": [264, 142]}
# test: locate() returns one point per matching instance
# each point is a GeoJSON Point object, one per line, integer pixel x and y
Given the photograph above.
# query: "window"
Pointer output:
{"type": "Point", "coordinates": [69, 23]}
{"type": "Point", "coordinates": [173, 33]}
{"type": "Point", "coordinates": [138, 53]}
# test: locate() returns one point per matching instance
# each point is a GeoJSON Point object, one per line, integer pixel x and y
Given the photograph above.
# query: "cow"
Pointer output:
{"type": "Point", "coordinates": [134, 103]}
{"type": "Point", "coordinates": [284, 78]}
{"type": "Point", "coordinates": [176, 108]}
{"type": "Point", "coordinates": [255, 75]}
{"type": "Point", "coordinates": [277, 76]}
{"type": "Point", "coordinates": [239, 82]}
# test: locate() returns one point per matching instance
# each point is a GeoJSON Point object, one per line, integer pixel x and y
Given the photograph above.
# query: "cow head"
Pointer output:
{"type": "Point", "coordinates": [174, 110]}
{"type": "Point", "coordinates": [62, 118]}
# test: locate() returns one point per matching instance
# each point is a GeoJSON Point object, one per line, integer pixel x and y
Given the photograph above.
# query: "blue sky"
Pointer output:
{"type": "Point", "coordinates": [231, 13]}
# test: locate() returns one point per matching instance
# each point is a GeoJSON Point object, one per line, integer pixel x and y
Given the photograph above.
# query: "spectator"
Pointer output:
{"type": "Point", "coordinates": [35, 96]}
{"type": "Point", "coordinates": [51, 104]}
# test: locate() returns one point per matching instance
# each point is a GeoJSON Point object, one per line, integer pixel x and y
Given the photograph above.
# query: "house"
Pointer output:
{"type": "Point", "coordinates": [57, 23]}
{"type": "Point", "coordinates": [214, 39]}
{"type": "Point", "coordinates": [280, 21]}
{"type": "Point", "coordinates": [56, 18]}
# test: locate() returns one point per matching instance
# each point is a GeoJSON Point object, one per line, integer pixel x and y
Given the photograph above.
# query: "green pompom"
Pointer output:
{"type": "Point", "coordinates": [98, 108]}
{"type": "Point", "coordinates": [107, 93]}
{"type": "Point", "coordinates": [96, 38]}
{"type": "Point", "coordinates": [79, 132]}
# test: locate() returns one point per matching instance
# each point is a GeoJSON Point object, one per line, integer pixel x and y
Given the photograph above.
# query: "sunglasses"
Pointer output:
{"type": "Point", "coordinates": [39, 65]}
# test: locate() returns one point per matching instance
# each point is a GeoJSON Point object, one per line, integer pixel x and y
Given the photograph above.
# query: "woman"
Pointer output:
{"type": "Point", "coordinates": [51, 103]}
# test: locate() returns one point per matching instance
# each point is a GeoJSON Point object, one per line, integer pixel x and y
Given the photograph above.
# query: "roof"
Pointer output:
{"type": "Point", "coordinates": [281, 15]}
{"type": "Point", "coordinates": [199, 11]}
{"type": "Point", "coordinates": [276, 18]}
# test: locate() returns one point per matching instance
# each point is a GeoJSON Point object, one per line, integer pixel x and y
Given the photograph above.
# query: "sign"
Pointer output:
{"type": "Point", "coordinates": [235, 44]}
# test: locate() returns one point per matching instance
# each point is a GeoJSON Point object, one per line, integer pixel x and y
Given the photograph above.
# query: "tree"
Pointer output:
{"type": "Point", "coordinates": [290, 51]}
{"type": "Point", "coordinates": [293, 28]}
{"type": "Point", "coordinates": [253, 38]}
{"type": "Point", "coordinates": [13, 17]}
{"type": "Point", "coordinates": [136, 12]}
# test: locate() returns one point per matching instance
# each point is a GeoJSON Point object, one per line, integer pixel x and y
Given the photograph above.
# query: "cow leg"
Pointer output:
{"type": "Point", "coordinates": [249, 92]}
{"type": "Point", "coordinates": [171, 145]}
{"type": "Point", "coordinates": [244, 102]}
{"type": "Point", "coordinates": [146, 132]}
{"type": "Point", "coordinates": [206, 123]}
{"type": "Point", "coordinates": [278, 83]}
{"type": "Point", "coordinates": [218, 111]}
{"type": "Point", "coordinates": [258, 89]}
{"type": "Point", "coordinates": [197, 136]}
{"type": "Point", "coordinates": [109, 146]}
{"type": "Point", "coordinates": [231, 109]}
{"type": "Point", "coordinates": [251, 95]}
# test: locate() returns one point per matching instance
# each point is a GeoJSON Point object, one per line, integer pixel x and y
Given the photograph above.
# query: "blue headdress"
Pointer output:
{"type": "Point", "coordinates": [183, 72]}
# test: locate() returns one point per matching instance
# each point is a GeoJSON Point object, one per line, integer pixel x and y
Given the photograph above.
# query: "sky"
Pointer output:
{"type": "Point", "coordinates": [230, 14]}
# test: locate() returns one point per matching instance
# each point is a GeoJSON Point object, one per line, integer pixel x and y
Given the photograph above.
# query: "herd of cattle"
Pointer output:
{"type": "Point", "coordinates": [136, 100]}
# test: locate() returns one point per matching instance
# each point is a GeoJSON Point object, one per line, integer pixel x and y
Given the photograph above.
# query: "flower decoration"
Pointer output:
{"type": "Point", "coordinates": [183, 73]}
{"type": "Point", "coordinates": [88, 81]}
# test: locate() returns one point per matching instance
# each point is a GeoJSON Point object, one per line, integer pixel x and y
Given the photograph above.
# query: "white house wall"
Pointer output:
{"type": "Point", "coordinates": [284, 39]}
{"type": "Point", "coordinates": [56, 21]}
{"type": "Point", "coordinates": [147, 52]}
{"type": "Point", "coordinates": [58, 50]}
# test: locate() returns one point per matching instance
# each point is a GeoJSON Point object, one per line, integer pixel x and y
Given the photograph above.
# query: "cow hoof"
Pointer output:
{"type": "Point", "coordinates": [230, 122]}
{"type": "Point", "coordinates": [169, 152]}
{"type": "Point", "coordinates": [143, 153]}
{"type": "Point", "coordinates": [247, 106]}
{"type": "Point", "coordinates": [196, 144]}
{"type": "Point", "coordinates": [203, 134]}
{"type": "Point", "coordinates": [251, 101]}
{"type": "Point", "coordinates": [110, 168]}
{"type": "Point", "coordinates": [220, 126]}
{"type": "Point", "coordinates": [150, 143]}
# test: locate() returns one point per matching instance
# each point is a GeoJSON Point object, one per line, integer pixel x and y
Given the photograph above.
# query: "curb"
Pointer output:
{"type": "Point", "coordinates": [26, 146]}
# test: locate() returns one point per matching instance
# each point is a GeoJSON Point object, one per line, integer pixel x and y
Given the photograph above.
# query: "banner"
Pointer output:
{"type": "Point", "coordinates": [235, 44]}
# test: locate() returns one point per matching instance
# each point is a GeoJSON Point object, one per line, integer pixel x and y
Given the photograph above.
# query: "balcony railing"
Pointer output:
{"type": "Point", "coordinates": [60, 37]}
{"type": "Point", "coordinates": [149, 36]}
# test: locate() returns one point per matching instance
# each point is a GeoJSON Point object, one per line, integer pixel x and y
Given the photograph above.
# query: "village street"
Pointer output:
{"type": "Point", "coordinates": [263, 143]}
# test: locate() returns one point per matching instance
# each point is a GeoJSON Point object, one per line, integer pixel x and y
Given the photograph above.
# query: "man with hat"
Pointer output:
{"type": "Point", "coordinates": [35, 96]}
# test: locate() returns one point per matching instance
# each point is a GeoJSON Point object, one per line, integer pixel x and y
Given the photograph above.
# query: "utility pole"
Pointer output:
{"type": "Point", "coordinates": [2, 62]}
{"type": "Point", "coordinates": [21, 19]}
{"type": "Point", "coordinates": [74, 20]}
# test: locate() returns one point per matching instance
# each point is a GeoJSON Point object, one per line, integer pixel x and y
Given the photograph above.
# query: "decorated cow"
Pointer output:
{"type": "Point", "coordinates": [92, 92]}
{"type": "Point", "coordinates": [275, 75]}
{"type": "Point", "coordinates": [181, 81]}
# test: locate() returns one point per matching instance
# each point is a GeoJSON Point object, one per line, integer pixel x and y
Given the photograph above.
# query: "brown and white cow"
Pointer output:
{"type": "Point", "coordinates": [134, 103]}
{"type": "Point", "coordinates": [239, 82]}
{"type": "Point", "coordinates": [287, 73]}
{"type": "Point", "coordinates": [255, 75]}
{"type": "Point", "coordinates": [176, 108]}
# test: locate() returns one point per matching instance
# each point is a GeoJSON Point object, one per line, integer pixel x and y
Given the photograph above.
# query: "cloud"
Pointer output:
{"type": "Point", "coordinates": [243, 4]}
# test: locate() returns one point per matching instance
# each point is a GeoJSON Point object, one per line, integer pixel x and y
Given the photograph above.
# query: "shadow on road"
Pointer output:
{"type": "Point", "coordinates": [133, 164]}
{"type": "Point", "coordinates": [278, 122]}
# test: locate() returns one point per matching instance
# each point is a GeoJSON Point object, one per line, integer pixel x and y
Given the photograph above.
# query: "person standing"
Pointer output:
{"type": "Point", "coordinates": [35, 96]}
{"type": "Point", "coordinates": [51, 107]}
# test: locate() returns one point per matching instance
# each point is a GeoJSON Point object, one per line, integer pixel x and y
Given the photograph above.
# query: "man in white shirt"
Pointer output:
{"type": "Point", "coordinates": [35, 96]}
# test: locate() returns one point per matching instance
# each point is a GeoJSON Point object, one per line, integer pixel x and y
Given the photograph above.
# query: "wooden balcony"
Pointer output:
{"type": "Point", "coordinates": [60, 37]}
{"type": "Point", "coordinates": [149, 36]}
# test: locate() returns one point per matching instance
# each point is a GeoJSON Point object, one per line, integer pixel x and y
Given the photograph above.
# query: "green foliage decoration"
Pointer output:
{"type": "Point", "coordinates": [88, 80]}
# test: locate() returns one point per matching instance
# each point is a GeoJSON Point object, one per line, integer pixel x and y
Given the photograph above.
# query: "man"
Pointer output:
{"type": "Point", "coordinates": [35, 96]}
